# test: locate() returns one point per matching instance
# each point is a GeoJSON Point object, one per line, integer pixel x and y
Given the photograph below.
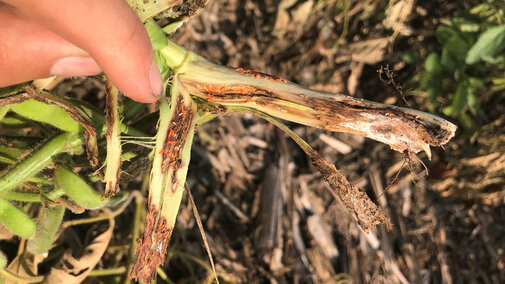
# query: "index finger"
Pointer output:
{"type": "Point", "coordinates": [110, 32]}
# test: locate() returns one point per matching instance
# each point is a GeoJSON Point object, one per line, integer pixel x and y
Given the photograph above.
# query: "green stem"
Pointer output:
{"type": "Point", "coordinates": [39, 160]}
{"type": "Point", "coordinates": [22, 196]}
{"type": "Point", "coordinates": [30, 196]}
{"type": "Point", "coordinates": [176, 56]}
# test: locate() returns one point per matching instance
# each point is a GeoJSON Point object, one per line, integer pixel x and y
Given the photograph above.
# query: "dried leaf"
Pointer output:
{"type": "Point", "coordinates": [74, 270]}
{"type": "Point", "coordinates": [24, 265]}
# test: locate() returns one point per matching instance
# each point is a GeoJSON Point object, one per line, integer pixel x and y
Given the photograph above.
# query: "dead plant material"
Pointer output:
{"type": "Point", "coordinates": [176, 135]}
{"type": "Point", "coordinates": [202, 231]}
{"type": "Point", "coordinates": [152, 247]}
{"type": "Point", "coordinates": [14, 99]}
{"type": "Point", "coordinates": [387, 76]}
{"type": "Point", "coordinates": [356, 201]}
{"type": "Point", "coordinates": [71, 269]}
{"type": "Point", "coordinates": [401, 128]}
{"type": "Point", "coordinates": [167, 183]}
{"type": "Point", "coordinates": [73, 111]}
{"type": "Point", "coordinates": [113, 158]}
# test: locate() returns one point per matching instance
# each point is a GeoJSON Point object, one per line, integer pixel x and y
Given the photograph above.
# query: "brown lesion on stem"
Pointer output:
{"type": "Point", "coordinates": [176, 135]}
{"type": "Point", "coordinates": [159, 225]}
{"type": "Point", "coordinates": [112, 120]}
{"type": "Point", "coordinates": [152, 247]}
{"type": "Point", "coordinates": [401, 128]}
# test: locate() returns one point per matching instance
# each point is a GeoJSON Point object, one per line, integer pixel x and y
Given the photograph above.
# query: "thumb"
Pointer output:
{"type": "Point", "coordinates": [29, 51]}
{"type": "Point", "coordinates": [111, 33]}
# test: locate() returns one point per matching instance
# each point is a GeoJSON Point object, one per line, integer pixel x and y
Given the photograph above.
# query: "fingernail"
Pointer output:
{"type": "Point", "coordinates": [75, 66]}
{"type": "Point", "coordinates": [155, 80]}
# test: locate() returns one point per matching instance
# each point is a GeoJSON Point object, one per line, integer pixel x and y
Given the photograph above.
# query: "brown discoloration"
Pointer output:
{"type": "Point", "coordinates": [258, 75]}
{"type": "Point", "coordinates": [176, 135]}
{"type": "Point", "coordinates": [188, 9]}
{"type": "Point", "coordinates": [14, 99]}
{"type": "Point", "coordinates": [92, 152]}
{"type": "Point", "coordinates": [110, 113]}
{"type": "Point", "coordinates": [111, 106]}
{"type": "Point", "coordinates": [402, 129]}
{"type": "Point", "coordinates": [356, 201]}
{"type": "Point", "coordinates": [152, 247]}
{"type": "Point", "coordinates": [79, 116]}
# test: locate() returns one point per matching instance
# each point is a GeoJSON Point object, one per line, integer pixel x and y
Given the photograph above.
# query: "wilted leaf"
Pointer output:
{"type": "Point", "coordinates": [489, 44]}
{"type": "Point", "coordinates": [72, 269]}
{"type": "Point", "coordinates": [5, 233]}
{"type": "Point", "coordinates": [397, 16]}
{"type": "Point", "coordinates": [24, 265]}
{"type": "Point", "coordinates": [47, 227]}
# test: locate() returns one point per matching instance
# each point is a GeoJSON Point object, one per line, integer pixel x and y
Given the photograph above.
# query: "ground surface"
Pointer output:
{"type": "Point", "coordinates": [284, 226]}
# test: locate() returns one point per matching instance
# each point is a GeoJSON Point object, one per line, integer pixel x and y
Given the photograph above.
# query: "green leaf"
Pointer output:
{"type": "Point", "coordinates": [488, 45]}
{"type": "Point", "coordinates": [444, 33]}
{"type": "Point", "coordinates": [476, 83]}
{"type": "Point", "coordinates": [50, 114]}
{"type": "Point", "coordinates": [460, 99]}
{"type": "Point", "coordinates": [465, 120]}
{"type": "Point", "coordinates": [3, 111]}
{"type": "Point", "coordinates": [158, 41]}
{"type": "Point", "coordinates": [434, 87]}
{"type": "Point", "coordinates": [498, 84]}
{"type": "Point", "coordinates": [432, 64]}
{"type": "Point", "coordinates": [38, 160]}
{"type": "Point", "coordinates": [457, 46]}
{"type": "Point", "coordinates": [473, 104]}
{"type": "Point", "coordinates": [3, 260]}
{"type": "Point", "coordinates": [10, 90]}
{"type": "Point", "coordinates": [16, 220]}
{"type": "Point", "coordinates": [411, 56]}
{"type": "Point", "coordinates": [131, 108]}
{"type": "Point", "coordinates": [448, 61]}
{"type": "Point", "coordinates": [171, 28]}
{"type": "Point", "coordinates": [47, 226]}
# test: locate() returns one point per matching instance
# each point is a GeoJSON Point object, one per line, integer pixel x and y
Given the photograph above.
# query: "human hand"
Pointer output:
{"type": "Point", "coordinates": [39, 39]}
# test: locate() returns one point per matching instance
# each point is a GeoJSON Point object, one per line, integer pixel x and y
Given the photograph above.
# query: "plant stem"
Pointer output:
{"type": "Point", "coordinates": [39, 160]}
{"type": "Point", "coordinates": [402, 129]}
{"type": "Point", "coordinates": [113, 158]}
{"type": "Point", "coordinates": [108, 272]}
